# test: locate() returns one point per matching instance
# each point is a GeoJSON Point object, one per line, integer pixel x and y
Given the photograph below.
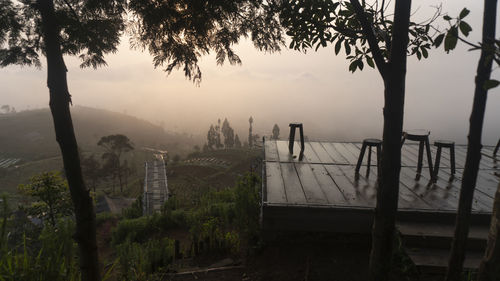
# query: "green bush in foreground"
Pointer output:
{"type": "Point", "coordinates": [52, 259]}
{"type": "Point", "coordinates": [139, 261]}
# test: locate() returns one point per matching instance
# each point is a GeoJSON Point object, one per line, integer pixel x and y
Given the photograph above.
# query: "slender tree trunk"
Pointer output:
{"type": "Point", "coordinates": [489, 269]}
{"type": "Point", "coordinates": [474, 145]}
{"type": "Point", "coordinates": [60, 98]}
{"type": "Point", "coordinates": [388, 188]}
{"type": "Point", "coordinates": [119, 171]}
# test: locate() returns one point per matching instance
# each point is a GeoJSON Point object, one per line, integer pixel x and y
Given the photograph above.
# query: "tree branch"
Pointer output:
{"type": "Point", "coordinates": [72, 11]}
{"type": "Point", "coordinates": [370, 37]}
{"type": "Point", "coordinates": [346, 32]}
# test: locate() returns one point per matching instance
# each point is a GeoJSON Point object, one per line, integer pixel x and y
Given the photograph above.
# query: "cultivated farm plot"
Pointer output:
{"type": "Point", "coordinates": [7, 162]}
{"type": "Point", "coordinates": [208, 161]}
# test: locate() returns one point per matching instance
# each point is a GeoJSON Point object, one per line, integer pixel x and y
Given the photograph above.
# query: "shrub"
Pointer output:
{"type": "Point", "coordinates": [134, 211]}
{"type": "Point", "coordinates": [247, 205]}
{"type": "Point", "coordinates": [138, 261]}
{"type": "Point", "coordinates": [54, 260]}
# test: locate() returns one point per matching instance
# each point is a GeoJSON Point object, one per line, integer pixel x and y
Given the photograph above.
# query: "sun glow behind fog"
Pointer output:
{"type": "Point", "coordinates": [314, 88]}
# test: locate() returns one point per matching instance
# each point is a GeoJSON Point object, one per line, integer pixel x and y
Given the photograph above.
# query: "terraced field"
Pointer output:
{"type": "Point", "coordinates": [7, 162]}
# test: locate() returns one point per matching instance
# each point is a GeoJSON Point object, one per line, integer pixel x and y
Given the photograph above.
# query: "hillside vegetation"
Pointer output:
{"type": "Point", "coordinates": [29, 137]}
{"type": "Point", "coordinates": [30, 134]}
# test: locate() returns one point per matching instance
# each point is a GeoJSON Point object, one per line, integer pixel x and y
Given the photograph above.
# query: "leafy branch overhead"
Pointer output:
{"type": "Point", "coordinates": [318, 23]}
{"type": "Point", "coordinates": [176, 33]}
{"type": "Point", "coordinates": [457, 30]}
{"type": "Point", "coordinates": [89, 29]}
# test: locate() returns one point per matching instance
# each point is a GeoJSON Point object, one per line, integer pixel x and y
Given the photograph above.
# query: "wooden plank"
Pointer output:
{"type": "Point", "coordinates": [271, 151]}
{"type": "Point", "coordinates": [434, 198]}
{"type": "Point", "coordinates": [293, 188]}
{"type": "Point", "coordinates": [321, 153]}
{"type": "Point", "coordinates": [283, 153]}
{"type": "Point", "coordinates": [487, 182]}
{"type": "Point", "coordinates": [365, 157]}
{"type": "Point", "coordinates": [460, 152]}
{"type": "Point", "coordinates": [343, 184]}
{"type": "Point", "coordinates": [309, 153]}
{"type": "Point", "coordinates": [407, 158]}
{"type": "Point", "coordinates": [334, 154]}
{"type": "Point", "coordinates": [482, 202]}
{"type": "Point", "coordinates": [332, 192]}
{"type": "Point", "coordinates": [366, 191]}
{"type": "Point", "coordinates": [340, 147]}
{"type": "Point", "coordinates": [285, 156]}
{"type": "Point", "coordinates": [312, 190]}
{"type": "Point", "coordinates": [275, 188]}
{"type": "Point", "coordinates": [413, 152]}
{"type": "Point", "coordinates": [346, 186]}
{"type": "Point", "coordinates": [355, 151]}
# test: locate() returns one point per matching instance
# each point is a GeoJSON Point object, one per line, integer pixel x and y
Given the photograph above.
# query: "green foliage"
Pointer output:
{"type": "Point", "coordinates": [139, 261]}
{"type": "Point", "coordinates": [457, 30]}
{"type": "Point", "coordinates": [316, 23]}
{"type": "Point", "coordinates": [53, 259]}
{"type": "Point", "coordinates": [452, 34]}
{"type": "Point", "coordinates": [89, 29]}
{"type": "Point", "coordinates": [137, 230]}
{"type": "Point", "coordinates": [51, 195]}
{"type": "Point", "coordinates": [247, 205]}
{"type": "Point", "coordinates": [220, 221]}
{"type": "Point", "coordinates": [101, 218]}
{"type": "Point", "coordinates": [4, 215]}
{"type": "Point", "coordinates": [115, 146]}
{"type": "Point", "coordinates": [135, 210]}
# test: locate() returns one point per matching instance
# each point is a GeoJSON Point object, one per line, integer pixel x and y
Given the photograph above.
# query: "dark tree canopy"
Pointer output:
{"type": "Point", "coordinates": [176, 33]}
{"type": "Point", "coordinates": [318, 23]}
{"type": "Point", "coordinates": [89, 29]}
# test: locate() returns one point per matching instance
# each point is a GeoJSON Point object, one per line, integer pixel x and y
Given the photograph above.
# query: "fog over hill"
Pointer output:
{"type": "Point", "coordinates": [30, 134]}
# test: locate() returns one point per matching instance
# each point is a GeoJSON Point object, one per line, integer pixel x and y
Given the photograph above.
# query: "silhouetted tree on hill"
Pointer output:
{"type": "Point", "coordinates": [116, 146]}
{"type": "Point", "coordinates": [91, 170]}
{"type": "Point", "coordinates": [276, 132]}
{"type": "Point", "coordinates": [228, 134]}
{"type": "Point", "coordinates": [237, 142]}
{"type": "Point", "coordinates": [250, 136]}
{"type": "Point", "coordinates": [211, 137]}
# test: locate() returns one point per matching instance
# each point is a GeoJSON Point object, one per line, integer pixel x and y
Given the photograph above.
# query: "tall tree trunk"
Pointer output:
{"type": "Point", "coordinates": [489, 269]}
{"type": "Point", "coordinates": [474, 145]}
{"type": "Point", "coordinates": [60, 98]}
{"type": "Point", "coordinates": [388, 189]}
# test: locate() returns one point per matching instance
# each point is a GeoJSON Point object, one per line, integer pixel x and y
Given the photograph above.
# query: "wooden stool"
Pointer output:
{"type": "Point", "coordinates": [370, 143]}
{"type": "Point", "coordinates": [291, 138]}
{"type": "Point", "coordinates": [496, 149]}
{"type": "Point", "coordinates": [446, 144]}
{"type": "Point", "coordinates": [422, 136]}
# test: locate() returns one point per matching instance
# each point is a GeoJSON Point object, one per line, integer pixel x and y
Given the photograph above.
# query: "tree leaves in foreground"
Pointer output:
{"type": "Point", "coordinates": [458, 29]}
{"type": "Point", "coordinates": [177, 33]}
{"type": "Point", "coordinates": [368, 35]}
{"type": "Point", "coordinates": [51, 197]}
{"type": "Point", "coordinates": [316, 23]}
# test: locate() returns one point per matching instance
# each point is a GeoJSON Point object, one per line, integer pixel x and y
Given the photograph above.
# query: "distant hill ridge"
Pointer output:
{"type": "Point", "coordinates": [30, 134]}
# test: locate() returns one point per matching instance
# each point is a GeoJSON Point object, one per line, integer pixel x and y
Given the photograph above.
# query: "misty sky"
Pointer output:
{"type": "Point", "coordinates": [314, 88]}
